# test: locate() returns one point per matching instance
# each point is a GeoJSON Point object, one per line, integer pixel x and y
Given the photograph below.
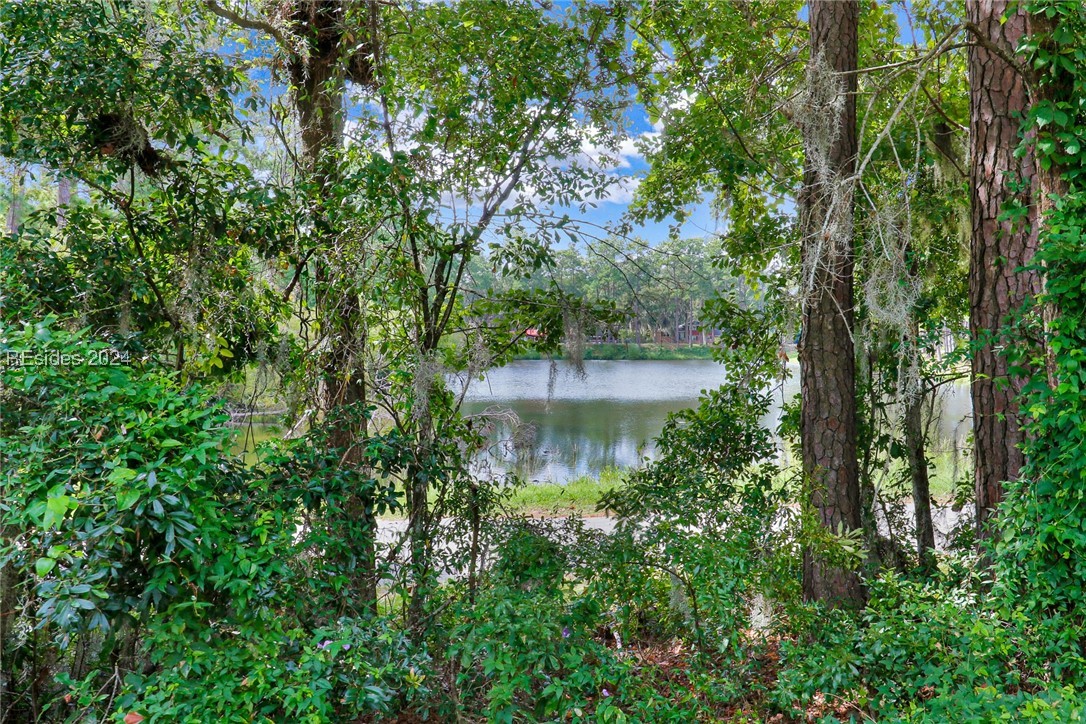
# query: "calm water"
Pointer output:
{"type": "Point", "coordinates": [606, 419]}
{"type": "Point", "coordinates": [610, 417]}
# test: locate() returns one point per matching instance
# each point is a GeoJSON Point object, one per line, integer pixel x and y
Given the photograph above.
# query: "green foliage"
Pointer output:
{"type": "Point", "coordinates": [88, 268]}
{"type": "Point", "coordinates": [706, 519]}
{"type": "Point", "coordinates": [537, 643]}
{"type": "Point", "coordinates": [259, 669]}
{"type": "Point", "coordinates": [80, 79]}
{"type": "Point", "coordinates": [720, 136]}
{"type": "Point", "coordinates": [122, 511]}
{"type": "Point", "coordinates": [924, 650]}
{"type": "Point", "coordinates": [983, 703]}
{"type": "Point", "coordinates": [526, 647]}
{"type": "Point", "coordinates": [133, 516]}
{"type": "Point", "coordinates": [485, 77]}
{"type": "Point", "coordinates": [580, 494]}
{"type": "Point", "coordinates": [146, 569]}
{"type": "Point", "coordinates": [118, 479]}
{"type": "Point", "coordinates": [1042, 546]}
{"type": "Point", "coordinates": [130, 102]}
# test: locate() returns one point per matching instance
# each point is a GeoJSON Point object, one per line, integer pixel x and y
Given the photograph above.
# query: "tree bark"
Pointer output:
{"type": "Point", "coordinates": [918, 471]}
{"type": "Point", "coordinates": [15, 210]}
{"type": "Point", "coordinates": [318, 81]}
{"type": "Point", "coordinates": [827, 357]}
{"type": "Point", "coordinates": [998, 100]}
{"type": "Point", "coordinates": [10, 584]}
{"type": "Point", "coordinates": [64, 199]}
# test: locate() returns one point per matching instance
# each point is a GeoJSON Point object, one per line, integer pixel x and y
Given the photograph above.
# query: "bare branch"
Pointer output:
{"type": "Point", "coordinates": [243, 21]}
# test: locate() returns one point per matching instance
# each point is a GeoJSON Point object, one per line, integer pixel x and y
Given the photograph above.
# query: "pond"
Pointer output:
{"type": "Point", "coordinates": [610, 417]}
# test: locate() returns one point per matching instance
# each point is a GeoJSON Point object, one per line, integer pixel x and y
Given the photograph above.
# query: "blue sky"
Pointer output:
{"type": "Point", "coordinates": [631, 166]}
{"type": "Point", "coordinates": [701, 221]}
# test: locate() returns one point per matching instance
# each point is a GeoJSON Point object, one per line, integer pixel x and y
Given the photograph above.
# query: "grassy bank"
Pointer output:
{"type": "Point", "coordinates": [577, 496]}
{"type": "Point", "coordinates": [582, 495]}
{"type": "Point", "coordinates": [638, 352]}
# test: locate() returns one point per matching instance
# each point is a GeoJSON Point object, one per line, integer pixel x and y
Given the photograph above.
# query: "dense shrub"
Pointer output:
{"type": "Point", "coordinates": [260, 669]}
{"type": "Point", "coordinates": [527, 647]}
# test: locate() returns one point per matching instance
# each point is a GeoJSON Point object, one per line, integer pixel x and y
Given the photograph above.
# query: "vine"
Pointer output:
{"type": "Point", "coordinates": [1043, 547]}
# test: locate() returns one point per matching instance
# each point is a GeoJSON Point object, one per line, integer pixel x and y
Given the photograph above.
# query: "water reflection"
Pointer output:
{"type": "Point", "coordinates": [610, 417]}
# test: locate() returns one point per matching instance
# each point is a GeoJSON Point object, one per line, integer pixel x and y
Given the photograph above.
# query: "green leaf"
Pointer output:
{"type": "Point", "coordinates": [43, 566]}
{"type": "Point", "coordinates": [120, 475]}
{"type": "Point", "coordinates": [127, 498]}
{"type": "Point", "coordinates": [59, 505]}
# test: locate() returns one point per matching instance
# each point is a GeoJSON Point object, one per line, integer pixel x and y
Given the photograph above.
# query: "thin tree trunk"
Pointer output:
{"type": "Point", "coordinates": [15, 210]}
{"type": "Point", "coordinates": [827, 356]}
{"type": "Point", "coordinates": [999, 247]}
{"type": "Point", "coordinates": [64, 199]}
{"type": "Point", "coordinates": [675, 323]}
{"type": "Point", "coordinates": [475, 521]}
{"type": "Point", "coordinates": [918, 472]}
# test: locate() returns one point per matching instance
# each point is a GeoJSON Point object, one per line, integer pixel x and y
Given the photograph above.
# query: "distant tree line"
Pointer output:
{"type": "Point", "coordinates": [659, 292]}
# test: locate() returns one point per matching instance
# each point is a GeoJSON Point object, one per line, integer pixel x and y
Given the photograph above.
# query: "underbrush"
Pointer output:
{"type": "Point", "coordinates": [156, 576]}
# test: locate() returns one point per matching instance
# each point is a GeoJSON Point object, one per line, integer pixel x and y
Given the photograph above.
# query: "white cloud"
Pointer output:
{"type": "Point", "coordinates": [622, 191]}
{"type": "Point", "coordinates": [628, 153]}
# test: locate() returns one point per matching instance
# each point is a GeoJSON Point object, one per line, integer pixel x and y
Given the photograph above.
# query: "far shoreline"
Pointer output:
{"type": "Point", "coordinates": [633, 352]}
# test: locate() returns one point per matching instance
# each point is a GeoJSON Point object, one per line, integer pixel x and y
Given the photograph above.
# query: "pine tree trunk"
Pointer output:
{"type": "Point", "coordinates": [997, 103]}
{"type": "Point", "coordinates": [827, 374]}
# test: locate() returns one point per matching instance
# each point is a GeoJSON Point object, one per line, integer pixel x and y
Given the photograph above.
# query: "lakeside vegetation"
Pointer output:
{"type": "Point", "coordinates": [585, 495]}
{"type": "Point", "coordinates": [580, 496]}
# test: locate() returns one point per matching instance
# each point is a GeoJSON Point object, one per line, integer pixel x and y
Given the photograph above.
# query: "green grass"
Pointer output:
{"type": "Point", "coordinates": [581, 496]}
{"type": "Point", "coordinates": [638, 352]}
{"type": "Point", "coordinates": [577, 496]}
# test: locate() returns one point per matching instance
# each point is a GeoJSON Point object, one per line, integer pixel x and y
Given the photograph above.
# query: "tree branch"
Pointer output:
{"type": "Point", "coordinates": [297, 274]}
{"type": "Point", "coordinates": [939, 109]}
{"type": "Point", "coordinates": [248, 23]}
